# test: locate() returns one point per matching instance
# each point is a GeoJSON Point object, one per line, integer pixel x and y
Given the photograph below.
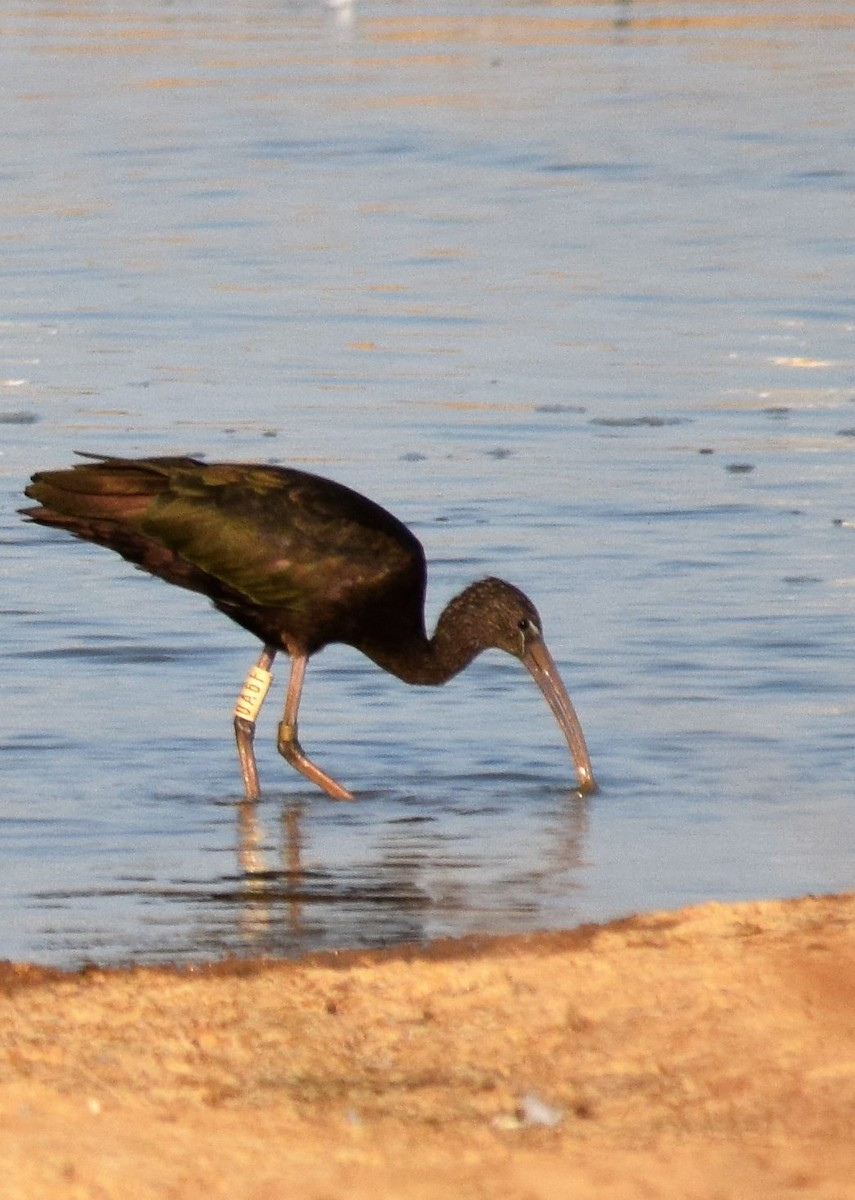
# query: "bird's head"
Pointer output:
{"type": "Point", "coordinates": [493, 613]}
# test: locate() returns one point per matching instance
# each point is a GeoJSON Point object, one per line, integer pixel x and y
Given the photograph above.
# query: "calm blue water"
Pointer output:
{"type": "Point", "coordinates": [569, 289]}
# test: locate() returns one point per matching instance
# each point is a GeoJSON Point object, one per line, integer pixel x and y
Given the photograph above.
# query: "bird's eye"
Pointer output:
{"type": "Point", "coordinates": [524, 623]}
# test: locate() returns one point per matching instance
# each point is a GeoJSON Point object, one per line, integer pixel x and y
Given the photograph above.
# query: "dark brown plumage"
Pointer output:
{"type": "Point", "coordinates": [300, 562]}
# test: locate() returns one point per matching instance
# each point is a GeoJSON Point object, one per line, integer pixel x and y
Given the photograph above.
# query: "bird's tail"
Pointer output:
{"type": "Point", "coordinates": [101, 490]}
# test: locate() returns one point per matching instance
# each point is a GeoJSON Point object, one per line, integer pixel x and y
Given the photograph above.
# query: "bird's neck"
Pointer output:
{"type": "Point", "coordinates": [434, 660]}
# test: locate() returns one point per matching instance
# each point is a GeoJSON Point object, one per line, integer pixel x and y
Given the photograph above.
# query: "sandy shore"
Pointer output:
{"type": "Point", "coordinates": [703, 1053]}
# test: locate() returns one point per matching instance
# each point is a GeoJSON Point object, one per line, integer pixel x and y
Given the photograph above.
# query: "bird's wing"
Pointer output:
{"type": "Point", "coordinates": [277, 537]}
{"type": "Point", "coordinates": [280, 537]}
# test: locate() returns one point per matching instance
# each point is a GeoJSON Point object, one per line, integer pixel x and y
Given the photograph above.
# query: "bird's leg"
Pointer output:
{"type": "Point", "coordinates": [289, 746]}
{"type": "Point", "coordinates": [249, 702]}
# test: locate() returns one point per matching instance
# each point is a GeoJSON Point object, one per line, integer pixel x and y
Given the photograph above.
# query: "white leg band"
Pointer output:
{"type": "Point", "coordinates": [255, 688]}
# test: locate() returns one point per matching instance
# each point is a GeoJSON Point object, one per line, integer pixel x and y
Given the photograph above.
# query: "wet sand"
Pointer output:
{"type": "Point", "coordinates": [708, 1052]}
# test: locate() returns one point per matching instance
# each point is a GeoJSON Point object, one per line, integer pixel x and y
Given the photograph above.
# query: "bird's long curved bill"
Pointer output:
{"type": "Point", "coordinates": [543, 670]}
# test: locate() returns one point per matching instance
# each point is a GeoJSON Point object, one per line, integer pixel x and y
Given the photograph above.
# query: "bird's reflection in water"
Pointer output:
{"type": "Point", "coordinates": [423, 883]}
{"type": "Point", "coordinates": [266, 887]}
{"type": "Point", "coordinates": [568, 849]}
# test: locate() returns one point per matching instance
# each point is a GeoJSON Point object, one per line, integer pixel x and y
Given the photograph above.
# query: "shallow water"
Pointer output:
{"type": "Point", "coordinates": [569, 289]}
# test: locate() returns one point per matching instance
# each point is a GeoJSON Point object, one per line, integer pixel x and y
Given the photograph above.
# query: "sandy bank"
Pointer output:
{"type": "Point", "coordinates": [703, 1053]}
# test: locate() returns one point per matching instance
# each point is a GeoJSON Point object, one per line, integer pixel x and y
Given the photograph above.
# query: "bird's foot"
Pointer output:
{"type": "Point", "coordinates": [291, 750]}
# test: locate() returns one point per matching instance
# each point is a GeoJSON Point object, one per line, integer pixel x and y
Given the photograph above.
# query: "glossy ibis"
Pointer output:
{"type": "Point", "coordinates": [300, 562]}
